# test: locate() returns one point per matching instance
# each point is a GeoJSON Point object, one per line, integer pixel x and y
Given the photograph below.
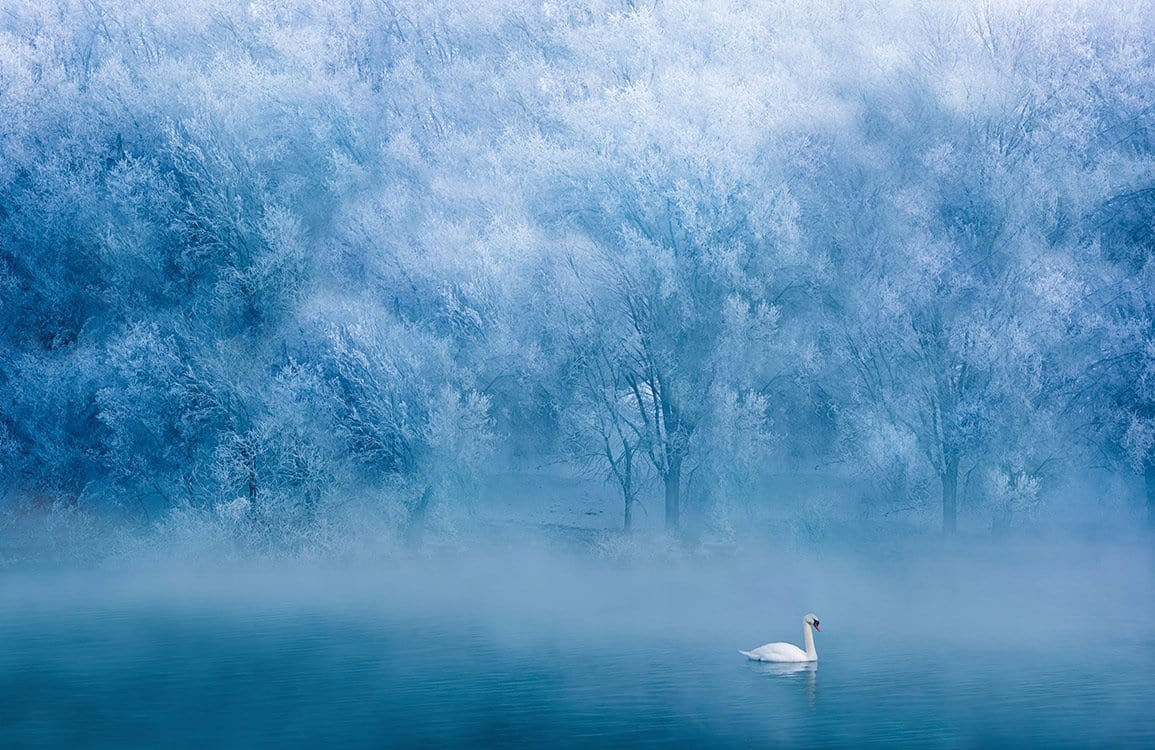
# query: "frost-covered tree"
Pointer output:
{"type": "Point", "coordinates": [662, 170]}
{"type": "Point", "coordinates": [947, 243]}
{"type": "Point", "coordinates": [1113, 386]}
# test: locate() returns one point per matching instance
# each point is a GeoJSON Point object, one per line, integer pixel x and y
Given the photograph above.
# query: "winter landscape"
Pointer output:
{"type": "Point", "coordinates": [428, 373]}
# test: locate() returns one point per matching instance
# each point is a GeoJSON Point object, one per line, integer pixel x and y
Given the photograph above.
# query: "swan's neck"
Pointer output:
{"type": "Point", "coordinates": [808, 638]}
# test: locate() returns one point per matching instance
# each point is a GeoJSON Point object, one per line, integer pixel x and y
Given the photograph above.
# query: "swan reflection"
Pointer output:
{"type": "Point", "coordinates": [807, 670]}
{"type": "Point", "coordinates": [785, 668]}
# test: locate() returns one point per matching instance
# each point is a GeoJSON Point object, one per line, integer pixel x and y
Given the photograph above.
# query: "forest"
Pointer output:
{"type": "Point", "coordinates": [295, 275]}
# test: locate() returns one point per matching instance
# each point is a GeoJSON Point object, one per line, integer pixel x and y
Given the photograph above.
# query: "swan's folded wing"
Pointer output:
{"type": "Point", "coordinates": [777, 652]}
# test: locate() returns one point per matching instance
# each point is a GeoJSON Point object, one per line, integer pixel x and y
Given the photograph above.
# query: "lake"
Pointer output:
{"type": "Point", "coordinates": [478, 657]}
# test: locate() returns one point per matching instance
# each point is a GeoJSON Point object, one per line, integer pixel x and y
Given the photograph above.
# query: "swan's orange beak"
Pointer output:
{"type": "Point", "coordinates": [817, 628]}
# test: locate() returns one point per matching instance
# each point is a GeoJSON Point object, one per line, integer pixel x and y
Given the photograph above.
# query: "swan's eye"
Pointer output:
{"type": "Point", "coordinates": [816, 623]}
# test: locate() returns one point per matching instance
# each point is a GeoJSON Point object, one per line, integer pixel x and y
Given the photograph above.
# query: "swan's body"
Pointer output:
{"type": "Point", "coordinates": [781, 652]}
{"type": "Point", "coordinates": [788, 652]}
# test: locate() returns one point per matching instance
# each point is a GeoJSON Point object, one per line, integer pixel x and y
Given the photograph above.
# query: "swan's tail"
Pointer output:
{"type": "Point", "coordinates": [748, 655]}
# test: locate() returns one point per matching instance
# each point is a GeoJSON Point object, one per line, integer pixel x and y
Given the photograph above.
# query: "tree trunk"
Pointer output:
{"type": "Point", "coordinates": [1149, 480]}
{"type": "Point", "coordinates": [251, 478]}
{"type": "Point", "coordinates": [950, 496]}
{"type": "Point", "coordinates": [673, 482]}
{"type": "Point", "coordinates": [415, 529]}
{"type": "Point", "coordinates": [627, 481]}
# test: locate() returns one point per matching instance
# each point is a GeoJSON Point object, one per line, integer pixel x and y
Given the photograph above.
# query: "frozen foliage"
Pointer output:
{"type": "Point", "coordinates": [271, 264]}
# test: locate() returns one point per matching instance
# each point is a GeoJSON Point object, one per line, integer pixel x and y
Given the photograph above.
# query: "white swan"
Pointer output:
{"type": "Point", "coordinates": [788, 651]}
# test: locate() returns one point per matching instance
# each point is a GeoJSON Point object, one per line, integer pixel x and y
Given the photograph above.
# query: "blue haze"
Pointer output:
{"type": "Point", "coordinates": [597, 338]}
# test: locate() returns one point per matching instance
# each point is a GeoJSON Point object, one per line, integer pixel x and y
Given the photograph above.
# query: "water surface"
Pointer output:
{"type": "Point", "coordinates": [619, 660]}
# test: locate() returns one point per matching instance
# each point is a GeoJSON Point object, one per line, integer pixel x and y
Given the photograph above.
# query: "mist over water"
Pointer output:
{"type": "Point", "coordinates": [1029, 643]}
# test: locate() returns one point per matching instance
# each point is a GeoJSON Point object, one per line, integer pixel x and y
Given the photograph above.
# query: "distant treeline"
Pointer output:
{"type": "Point", "coordinates": [257, 258]}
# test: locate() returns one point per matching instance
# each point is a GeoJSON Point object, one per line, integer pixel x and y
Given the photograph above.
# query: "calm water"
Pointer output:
{"type": "Point", "coordinates": [128, 668]}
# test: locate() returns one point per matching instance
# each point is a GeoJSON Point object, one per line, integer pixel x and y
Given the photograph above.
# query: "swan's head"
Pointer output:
{"type": "Point", "coordinates": [812, 619]}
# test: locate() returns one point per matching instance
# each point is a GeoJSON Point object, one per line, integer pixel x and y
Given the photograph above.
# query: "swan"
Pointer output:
{"type": "Point", "coordinates": [788, 651]}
